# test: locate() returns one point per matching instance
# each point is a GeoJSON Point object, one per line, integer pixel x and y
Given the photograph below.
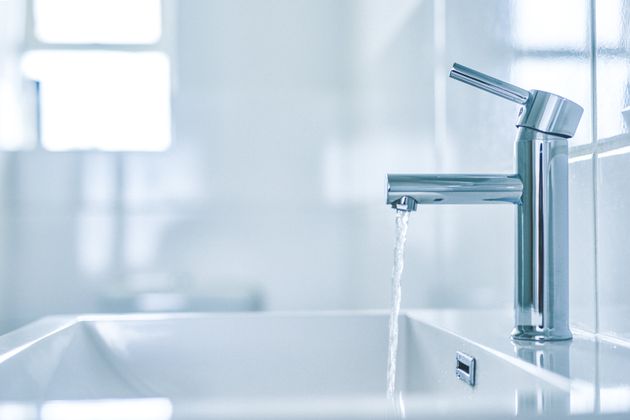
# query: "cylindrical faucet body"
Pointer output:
{"type": "Point", "coordinates": [542, 231]}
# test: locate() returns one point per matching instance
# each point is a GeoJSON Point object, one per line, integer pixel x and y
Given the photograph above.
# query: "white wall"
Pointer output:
{"type": "Point", "coordinates": [287, 116]}
{"type": "Point", "coordinates": [235, 214]}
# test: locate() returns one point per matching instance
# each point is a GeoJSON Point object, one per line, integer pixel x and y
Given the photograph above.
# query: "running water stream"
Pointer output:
{"type": "Point", "coordinates": [402, 220]}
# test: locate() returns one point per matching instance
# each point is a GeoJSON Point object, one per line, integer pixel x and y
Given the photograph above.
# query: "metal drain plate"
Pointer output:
{"type": "Point", "coordinates": [465, 367]}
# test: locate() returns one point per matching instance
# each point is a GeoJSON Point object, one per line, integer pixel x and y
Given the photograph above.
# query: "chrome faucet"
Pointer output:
{"type": "Point", "coordinates": [539, 189]}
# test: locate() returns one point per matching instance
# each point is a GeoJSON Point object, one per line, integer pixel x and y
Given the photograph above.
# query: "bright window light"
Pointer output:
{"type": "Point", "coordinates": [613, 79]}
{"type": "Point", "coordinates": [102, 100]}
{"type": "Point", "coordinates": [543, 24]}
{"type": "Point", "coordinates": [609, 23]}
{"type": "Point", "coordinates": [98, 21]}
{"type": "Point", "coordinates": [15, 134]}
{"type": "Point", "coordinates": [122, 409]}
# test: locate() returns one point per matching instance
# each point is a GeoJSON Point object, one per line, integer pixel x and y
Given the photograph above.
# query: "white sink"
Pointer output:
{"type": "Point", "coordinates": [281, 365]}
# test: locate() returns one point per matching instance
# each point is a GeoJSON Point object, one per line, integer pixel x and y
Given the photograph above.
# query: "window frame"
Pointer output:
{"type": "Point", "coordinates": [165, 45]}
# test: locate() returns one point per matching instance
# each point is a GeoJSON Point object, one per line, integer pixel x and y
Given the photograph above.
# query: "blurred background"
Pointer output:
{"type": "Point", "coordinates": [220, 155]}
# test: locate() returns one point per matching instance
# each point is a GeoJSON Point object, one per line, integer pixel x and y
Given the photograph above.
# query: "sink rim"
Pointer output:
{"type": "Point", "coordinates": [492, 340]}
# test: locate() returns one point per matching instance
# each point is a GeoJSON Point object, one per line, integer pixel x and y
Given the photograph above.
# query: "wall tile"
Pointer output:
{"type": "Point", "coordinates": [613, 229]}
{"type": "Point", "coordinates": [582, 243]}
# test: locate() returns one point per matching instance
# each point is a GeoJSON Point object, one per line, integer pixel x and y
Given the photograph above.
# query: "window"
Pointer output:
{"type": "Point", "coordinates": [550, 25]}
{"type": "Point", "coordinates": [16, 93]}
{"type": "Point", "coordinates": [103, 74]}
{"type": "Point", "coordinates": [97, 21]}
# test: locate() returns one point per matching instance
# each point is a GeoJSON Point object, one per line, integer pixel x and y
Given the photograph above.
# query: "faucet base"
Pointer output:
{"type": "Point", "coordinates": [532, 333]}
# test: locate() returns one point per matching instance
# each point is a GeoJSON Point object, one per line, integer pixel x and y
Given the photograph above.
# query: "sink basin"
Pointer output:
{"type": "Point", "coordinates": [281, 365]}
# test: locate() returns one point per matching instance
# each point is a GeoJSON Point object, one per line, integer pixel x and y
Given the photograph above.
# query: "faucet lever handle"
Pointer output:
{"type": "Point", "coordinates": [542, 111]}
{"type": "Point", "coordinates": [489, 84]}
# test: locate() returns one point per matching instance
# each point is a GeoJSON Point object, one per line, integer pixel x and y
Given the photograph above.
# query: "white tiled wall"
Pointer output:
{"type": "Point", "coordinates": [600, 193]}
{"type": "Point", "coordinates": [613, 171]}
{"type": "Point", "coordinates": [582, 243]}
{"type": "Point", "coordinates": [613, 228]}
{"type": "Point", "coordinates": [287, 116]}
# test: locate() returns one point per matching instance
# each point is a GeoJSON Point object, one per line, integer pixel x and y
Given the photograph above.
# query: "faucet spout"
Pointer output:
{"type": "Point", "coordinates": [404, 203]}
{"type": "Point", "coordinates": [453, 189]}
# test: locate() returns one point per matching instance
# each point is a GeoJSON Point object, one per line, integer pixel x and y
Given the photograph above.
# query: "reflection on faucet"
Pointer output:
{"type": "Point", "coordinates": [452, 189]}
{"type": "Point", "coordinates": [539, 189]}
